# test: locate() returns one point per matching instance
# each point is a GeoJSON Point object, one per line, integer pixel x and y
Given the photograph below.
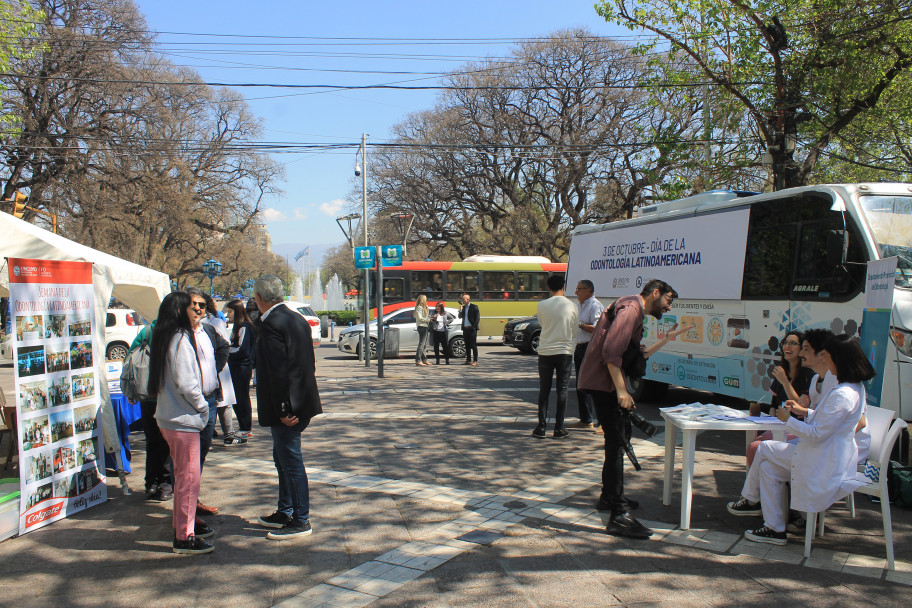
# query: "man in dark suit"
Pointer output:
{"type": "Point", "coordinates": [287, 398]}
{"type": "Point", "coordinates": [471, 317]}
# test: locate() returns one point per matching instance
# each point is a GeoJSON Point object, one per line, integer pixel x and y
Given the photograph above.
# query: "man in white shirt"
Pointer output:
{"type": "Point", "coordinates": [590, 310]}
{"type": "Point", "coordinates": [559, 318]}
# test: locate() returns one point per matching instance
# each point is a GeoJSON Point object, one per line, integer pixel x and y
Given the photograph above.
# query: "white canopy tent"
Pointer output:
{"type": "Point", "coordinates": [140, 288]}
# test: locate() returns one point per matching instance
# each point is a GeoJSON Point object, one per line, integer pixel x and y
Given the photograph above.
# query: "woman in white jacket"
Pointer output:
{"type": "Point", "coordinates": [822, 466]}
{"type": "Point", "coordinates": [181, 413]}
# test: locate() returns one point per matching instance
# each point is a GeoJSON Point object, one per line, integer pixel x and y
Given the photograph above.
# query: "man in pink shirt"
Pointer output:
{"type": "Point", "coordinates": [620, 329]}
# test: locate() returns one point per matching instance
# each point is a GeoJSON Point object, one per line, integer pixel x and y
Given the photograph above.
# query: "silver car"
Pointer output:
{"type": "Point", "coordinates": [404, 321]}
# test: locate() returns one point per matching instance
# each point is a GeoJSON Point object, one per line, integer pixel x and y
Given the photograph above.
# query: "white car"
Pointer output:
{"type": "Point", "coordinates": [312, 319]}
{"type": "Point", "coordinates": [121, 327]}
{"type": "Point", "coordinates": [403, 320]}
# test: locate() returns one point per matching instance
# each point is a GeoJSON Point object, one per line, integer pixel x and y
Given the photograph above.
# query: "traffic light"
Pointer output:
{"type": "Point", "coordinates": [18, 201]}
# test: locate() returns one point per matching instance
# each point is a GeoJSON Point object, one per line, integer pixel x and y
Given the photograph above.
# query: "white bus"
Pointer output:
{"type": "Point", "coordinates": [748, 268]}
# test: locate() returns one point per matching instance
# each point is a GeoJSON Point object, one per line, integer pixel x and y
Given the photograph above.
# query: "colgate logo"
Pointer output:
{"type": "Point", "coordinates": [46, 513]}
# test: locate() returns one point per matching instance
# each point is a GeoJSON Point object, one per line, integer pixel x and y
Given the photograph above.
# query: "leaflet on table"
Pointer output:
{"type": "Point", "coordinates": [709, 411]}
{"type": "Point", "coordinates": [764, 419]}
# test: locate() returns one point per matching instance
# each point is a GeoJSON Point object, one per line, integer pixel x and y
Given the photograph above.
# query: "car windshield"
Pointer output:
{"type": "Point", "coordinates": [890, 218]}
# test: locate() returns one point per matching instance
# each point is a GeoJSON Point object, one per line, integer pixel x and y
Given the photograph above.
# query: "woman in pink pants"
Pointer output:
{"type": "Point", "coordinates": [175, 375]}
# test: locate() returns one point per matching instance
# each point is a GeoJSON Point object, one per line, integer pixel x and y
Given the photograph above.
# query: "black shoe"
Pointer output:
{"type": "Point", "coordinates": [561, 433]}
{"type": "Point", "coordinates": [164, 493]}
{"type": "Point", "coordinates": [602, 505]}
{"type": "Point", "coordinates": [276, 520]}
{"type": "Point", "coordinates": [765, 534]}
{"type": "Point", "coordinates": [539, 432]}
{"type": "Point", "coordinates": [744, 508]}
{"type": "Point", "coordinates": [191, 545]}
{"type": "Point", "coordinates": [233, 439]}
{"type": "Point", "coordinates": [202, 530]}
{"type": "Point", "coordinates": [624, 525]}
{"type": "Point", "coordinates": [291, 530]}
{"type": "Point", "coordinates": [151, 490]}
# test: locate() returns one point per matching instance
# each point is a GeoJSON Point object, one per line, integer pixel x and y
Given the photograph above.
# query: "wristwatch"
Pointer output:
{"type": "Point", "coordinates": [581, 325]}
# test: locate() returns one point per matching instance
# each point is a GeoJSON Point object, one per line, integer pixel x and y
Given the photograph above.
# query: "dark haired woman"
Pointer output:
{"type": "Point", "coordinates": [240, 362]}
{"type": "Point", "coordinates": [822, 466]}
{"type": "Point", "coordinates": [440, 320]}
{"type": "Point", "coordinates": [182, 412]}
{"type": "Point", "coordinates": [791, 380]}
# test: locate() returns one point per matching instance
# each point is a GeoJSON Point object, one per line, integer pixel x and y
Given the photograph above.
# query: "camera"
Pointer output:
{"type": "Point", "coordinates": [641, 423]}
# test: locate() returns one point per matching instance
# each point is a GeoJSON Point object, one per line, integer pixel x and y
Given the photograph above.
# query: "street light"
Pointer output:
{"type": "Point", "coordinates": [212, 269]}
{"type": "Point", "coordinates": [349, 232]}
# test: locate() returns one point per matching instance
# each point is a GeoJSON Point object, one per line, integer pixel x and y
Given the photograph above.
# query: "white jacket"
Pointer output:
{"type": "Point", "coordinates": [181, 405]}
{"type": "Point", "coordinates": [826, 457]}
{"type": "Point", "coordinates": [862, 437]}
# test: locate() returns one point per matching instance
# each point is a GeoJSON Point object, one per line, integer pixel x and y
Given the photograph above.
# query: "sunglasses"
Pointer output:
{"type": "Point", "coordinates": [200, 305]}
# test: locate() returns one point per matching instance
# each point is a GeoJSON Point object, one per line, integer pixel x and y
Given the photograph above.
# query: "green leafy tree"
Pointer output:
{"type": "Point", "coordinates": [803, 71]}
{"type": "Point", "coordinates": [17, 25]}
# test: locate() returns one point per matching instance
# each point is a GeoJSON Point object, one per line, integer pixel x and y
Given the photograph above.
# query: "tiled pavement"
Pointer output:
{"type": "Point", "coordinates": [428, 491]}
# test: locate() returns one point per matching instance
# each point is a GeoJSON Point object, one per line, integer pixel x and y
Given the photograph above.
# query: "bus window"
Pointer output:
{"type": "Point", "coordinates": [459, 282]}
{"type": "Point", "coordinates": [429, 283]}
{"type": "Point", "coordinates": [498, 286]}
{"type": "Point", "coordinates": [393, 290]}
{"type": "Point", "coordinates": [813, 276]}
{"type": "Point", "coordinates": [769, 261]}
{"type": "Point", "coordinates": [532, 285]}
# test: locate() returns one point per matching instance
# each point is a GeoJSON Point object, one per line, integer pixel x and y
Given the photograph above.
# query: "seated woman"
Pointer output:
{"type": "Point", "coordinates": [822, 465]}
{"type": "Point", "coordinates": [792, 381]}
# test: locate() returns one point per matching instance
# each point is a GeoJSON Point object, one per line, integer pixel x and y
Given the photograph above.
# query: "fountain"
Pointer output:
{"type": "Point", "coordinates": [315, 291]}
{"type": "Point", "coordinates": [297, 290]}
{"type": "Point", "coordinates": [334, 297]}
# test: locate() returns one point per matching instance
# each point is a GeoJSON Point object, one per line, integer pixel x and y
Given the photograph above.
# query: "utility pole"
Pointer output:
{"type": "Point", "coordinates": [365, 347]}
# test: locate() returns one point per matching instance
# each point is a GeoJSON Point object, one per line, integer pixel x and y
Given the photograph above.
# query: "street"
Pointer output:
{"type": "Point", "coordinates": [427, 489]}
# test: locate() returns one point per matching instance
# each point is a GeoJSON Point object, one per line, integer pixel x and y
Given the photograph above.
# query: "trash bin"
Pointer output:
{"type": "Point", "coordinates": [391, 346]}
{"type": "Point", "coordinates": [324, 326]}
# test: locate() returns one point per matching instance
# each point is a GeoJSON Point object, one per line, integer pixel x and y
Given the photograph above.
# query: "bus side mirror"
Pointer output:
{"type": "Point", "coordinates": [837, 245]}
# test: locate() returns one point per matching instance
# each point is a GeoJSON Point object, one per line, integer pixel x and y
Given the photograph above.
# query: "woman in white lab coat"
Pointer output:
{"type": "Point", "coordinates": [822, 466]}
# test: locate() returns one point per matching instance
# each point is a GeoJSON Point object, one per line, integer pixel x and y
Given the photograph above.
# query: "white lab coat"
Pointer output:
{"type": "Point", "coordinates": [826, 457]}
{"type": "Point", "coordinates": [228, 396]}
{"type": "Point", "coordinates": [862, 437]}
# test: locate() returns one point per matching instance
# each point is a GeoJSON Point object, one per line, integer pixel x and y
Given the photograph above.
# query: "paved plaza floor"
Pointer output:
{"type": "Point", "coordinates": [427, 489]}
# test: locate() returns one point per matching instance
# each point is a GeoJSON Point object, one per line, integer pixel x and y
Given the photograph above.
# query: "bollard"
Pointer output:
{"type": "Point", "coordinates": [332, 329]}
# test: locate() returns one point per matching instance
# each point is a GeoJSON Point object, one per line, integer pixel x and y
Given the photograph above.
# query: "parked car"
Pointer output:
{"type": "Point", "coordinates": [523, 334]}
{"type": "Point", "coordinates": [121, 327]}
{"type": "Point", "coordinates": [403, 320]}
{"type": "Point", "coordinates": [312, 319]}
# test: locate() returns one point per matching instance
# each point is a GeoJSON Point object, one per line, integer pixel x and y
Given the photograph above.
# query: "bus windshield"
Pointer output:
{"type": "Point", "coordinates": [890, 218]}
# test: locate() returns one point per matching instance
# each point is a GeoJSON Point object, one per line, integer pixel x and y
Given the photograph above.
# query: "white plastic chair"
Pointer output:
{"type": "Point", "coordinates": [883, 437]}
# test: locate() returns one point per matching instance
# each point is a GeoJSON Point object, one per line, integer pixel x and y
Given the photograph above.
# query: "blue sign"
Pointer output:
{"type": "Point", "coordinates": [364, 258]}
{"type": "Point", "coordinates": [392, 255]}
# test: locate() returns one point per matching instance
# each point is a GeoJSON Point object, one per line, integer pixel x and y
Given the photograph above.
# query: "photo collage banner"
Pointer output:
{"type": "Point", "coordinates": [57, 398]}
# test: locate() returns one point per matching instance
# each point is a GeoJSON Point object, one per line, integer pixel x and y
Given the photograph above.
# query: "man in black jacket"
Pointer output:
{"type": "Point", "coordinates": [471, 318]}
{"type": "Point", "coordinates": [287, 398]}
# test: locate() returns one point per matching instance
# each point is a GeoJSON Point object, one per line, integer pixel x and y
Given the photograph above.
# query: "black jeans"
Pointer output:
{"type": "Point", "coordinates": [547, 365]}
{"type": "Point", "coordinates": [470, 335]}
{"type": "Point", "coordinates": [158, 455]}
{"type": "Point", "coordinates": [440, 341]}
{"type": "Point", "coordinates": [616, 429]}
{"type": "Point", "coordinates": [240, 378]}
{"type": "Point", "coordinates": [583, 398]}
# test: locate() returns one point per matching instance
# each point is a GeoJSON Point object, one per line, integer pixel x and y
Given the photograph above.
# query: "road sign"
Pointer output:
{"type": "Point", "coordinates": [392, 255]}
{"type": "Point", "coordinates": [364, 258]}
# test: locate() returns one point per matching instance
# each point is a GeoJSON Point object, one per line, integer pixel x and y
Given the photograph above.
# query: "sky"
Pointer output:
{"type": "Point", "coordinates": [343, 44]}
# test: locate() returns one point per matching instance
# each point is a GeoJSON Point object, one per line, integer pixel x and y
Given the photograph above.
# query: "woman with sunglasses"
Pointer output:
{"type": "Point", "coordinates": [791, 380]}
{"type": "Point", "coordinates": [175, 375]}
{"type": "Point", "coordinates": [822, 466]}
